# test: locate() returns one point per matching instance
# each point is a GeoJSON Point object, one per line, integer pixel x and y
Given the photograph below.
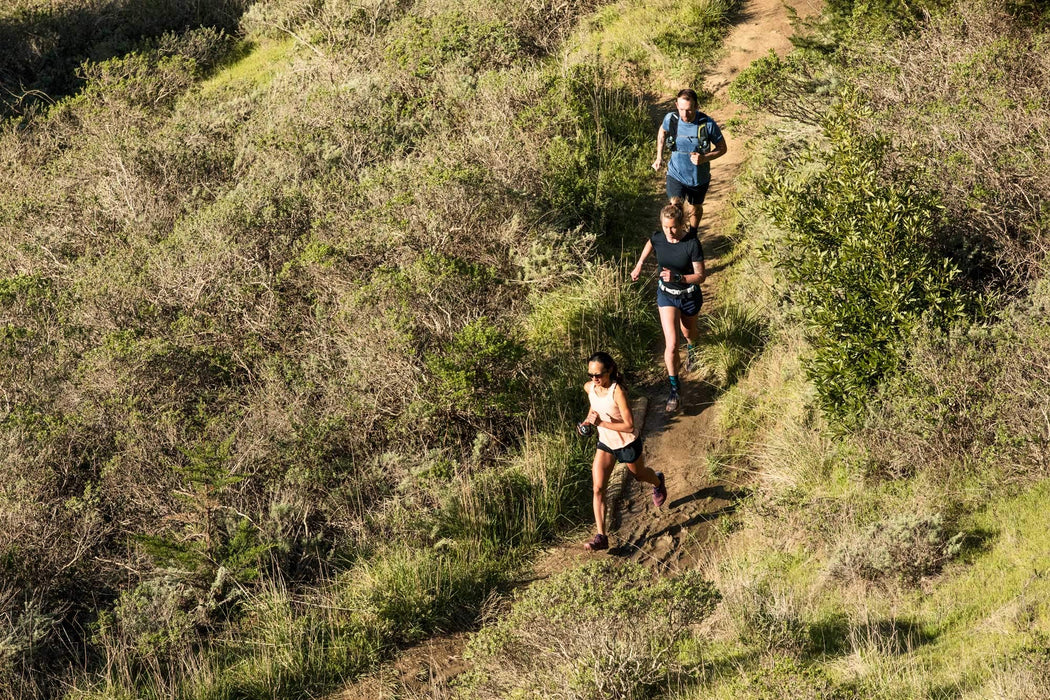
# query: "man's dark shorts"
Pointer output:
{"type": "Point", "coordinates": [689, 304]}
{"type": "Point", "coordinates": [693, 195]}
{"type": "Point", "coordinates": [628, 454]}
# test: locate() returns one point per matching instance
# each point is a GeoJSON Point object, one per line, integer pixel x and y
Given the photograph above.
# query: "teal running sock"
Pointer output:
{"type": "Point", "coordinates": [674, 382]}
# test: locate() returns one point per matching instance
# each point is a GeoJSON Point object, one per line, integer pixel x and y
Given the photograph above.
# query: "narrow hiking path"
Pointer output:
{"type": "Point", "coordinates": [679, 535]}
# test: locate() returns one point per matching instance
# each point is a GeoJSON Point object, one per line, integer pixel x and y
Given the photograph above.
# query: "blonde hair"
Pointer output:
{"type": "Point", "coordinates": [673, 211]}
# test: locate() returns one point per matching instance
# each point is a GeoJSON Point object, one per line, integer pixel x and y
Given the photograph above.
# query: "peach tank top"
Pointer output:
{"type": "Point", "coordinates": [606, 408]}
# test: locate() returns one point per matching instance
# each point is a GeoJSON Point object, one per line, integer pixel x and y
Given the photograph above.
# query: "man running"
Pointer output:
{"type": "Point", "coordinates": [694, 141]}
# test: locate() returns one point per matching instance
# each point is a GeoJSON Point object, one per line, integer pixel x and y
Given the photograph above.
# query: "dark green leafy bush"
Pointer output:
{"type": "Point", "coordinates": [477, 378]}
{"type": "Point", "coordinates": [856, 254]}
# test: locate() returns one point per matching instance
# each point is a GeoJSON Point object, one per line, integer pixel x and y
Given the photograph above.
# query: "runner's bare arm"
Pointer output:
{"type": "Point", "coordinates": [637, 271]}
{"type": "Point", "coordinates": [660, 136]}
{"type": "Point", "coordinates": [699, 273]}
{"type": "Point", "coordinates": [720, 150]}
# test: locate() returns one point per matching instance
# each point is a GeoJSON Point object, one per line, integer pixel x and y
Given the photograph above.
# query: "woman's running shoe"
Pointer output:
{"type": "Point", "coordinates": [659, 491]}
{"type": "Point", "coordinates": [672, 400]}
{"type": "Point", "coordinates": [599, 542]}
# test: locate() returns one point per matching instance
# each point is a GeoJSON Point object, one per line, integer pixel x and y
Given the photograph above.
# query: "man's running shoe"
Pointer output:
{"type": "Point", "coordinates": [672, 400]}
{"type": "Point", "coordinates": [659, 491]}
{"type": "Point", "coordinates": [598, 543]}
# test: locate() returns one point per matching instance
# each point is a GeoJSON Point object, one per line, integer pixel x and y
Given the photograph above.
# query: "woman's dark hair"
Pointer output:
{"type": "Point", "coordinates": [608, 364]}
{"type": "Point", "coordinates": [689, 94]}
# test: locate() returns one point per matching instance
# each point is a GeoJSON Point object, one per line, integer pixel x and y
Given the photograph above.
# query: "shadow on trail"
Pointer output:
{"type": "Point", "coordinates": [697, 397]}
{"type": "Point", "coordinates": [632, 547]}
{"type": "Point", "coordinates": [718, 491]}
{"type": "Point", "coordinates": [716, 246]}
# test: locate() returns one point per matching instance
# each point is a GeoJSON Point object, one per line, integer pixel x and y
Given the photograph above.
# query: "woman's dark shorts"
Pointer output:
{"type": "Point", "coordinates": [688, 304]}
{"type": "Point", "coordinates": [693, 195]}
{"type": "Point", "coordinates": [628, 454]}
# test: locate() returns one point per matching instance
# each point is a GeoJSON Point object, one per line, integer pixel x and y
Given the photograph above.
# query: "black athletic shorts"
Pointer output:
{"type": "Point", "coordinates": [688, 304]}
{"type": "Point", "coordinates": [693, 195]}
{"type": "Point", "coordinates": [628, 454]}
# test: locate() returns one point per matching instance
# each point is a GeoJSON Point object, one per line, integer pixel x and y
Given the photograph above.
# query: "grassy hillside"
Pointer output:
{"type": "Point", "coordinates": [890, 245]}
{"type": "Point", "coordinates": [894, 231]}
{"type": "Point", "coordinates": [294, 310]}
{"type": "Point", "coordinates": [295, 298]}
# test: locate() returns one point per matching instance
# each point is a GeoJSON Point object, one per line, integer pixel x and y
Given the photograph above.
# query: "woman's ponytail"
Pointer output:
{"type": "Point", "coordinates": [673, 211]}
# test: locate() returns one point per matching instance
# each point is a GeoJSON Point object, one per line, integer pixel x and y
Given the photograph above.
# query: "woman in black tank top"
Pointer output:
{"type": "Point", "coordinates": [678, 296]}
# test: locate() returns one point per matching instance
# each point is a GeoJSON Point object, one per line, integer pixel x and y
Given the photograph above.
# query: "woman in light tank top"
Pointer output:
{"type": "Point", "coordinates": [618, 439]}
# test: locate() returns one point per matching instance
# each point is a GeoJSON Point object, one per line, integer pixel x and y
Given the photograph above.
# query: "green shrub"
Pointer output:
{"type": "Point", "coordinates": [788, 678]}
{"type": "Point", "coordinates": [422, 45]}
{"type": "Point", "coordinates": [45, 44]}
{"type": "Point", "coordinates": [152, 626]}
{"type": "Point", "coordinates": [995, 70]}
{"type": "Point", "coordinates": [788, 87]}
{"type": "Point", "coordinates": [856, 254]}
{"type": "Point", "coordinates": [906, 548]}
{"type": "Point", "coordinates": [598, 631]}
{"type": "Point", "coordinates": [26, 630]}
{"type": "Point", "coordinates": [595, 169]}
{"type": "Point", "coordinates": [476, 378]}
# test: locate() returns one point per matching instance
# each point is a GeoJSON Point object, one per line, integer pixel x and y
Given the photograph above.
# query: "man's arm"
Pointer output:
{"type": "Point", "coordinates": [661, 135]}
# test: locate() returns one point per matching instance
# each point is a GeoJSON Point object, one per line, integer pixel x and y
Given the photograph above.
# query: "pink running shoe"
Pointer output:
{"type": "Point", "coordinates": [599, 542]}
{"type": "Point", "coordinates": [659, 491]}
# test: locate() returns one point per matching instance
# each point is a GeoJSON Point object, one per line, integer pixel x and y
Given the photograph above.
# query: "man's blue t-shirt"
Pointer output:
{"type": "Point", "coordinates": [678, 165]}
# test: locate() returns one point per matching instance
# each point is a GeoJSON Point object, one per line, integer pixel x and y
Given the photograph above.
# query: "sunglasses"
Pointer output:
{"type": "Point", "coordinates": [596, 376]}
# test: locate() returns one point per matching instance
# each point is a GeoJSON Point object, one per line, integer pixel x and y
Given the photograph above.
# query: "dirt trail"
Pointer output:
{"type": "Point", "coordinates": [679, 534]}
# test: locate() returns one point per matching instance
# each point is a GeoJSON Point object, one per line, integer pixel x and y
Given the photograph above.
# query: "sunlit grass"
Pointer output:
{"type": "Point", "coordinates": [258, 65]}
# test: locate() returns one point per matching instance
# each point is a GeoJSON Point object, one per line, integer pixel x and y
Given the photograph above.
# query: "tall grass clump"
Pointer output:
{"type": "Point", "coordinates": [732, 336]}
{"type": "Point", "coordinates": [600, 631]}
